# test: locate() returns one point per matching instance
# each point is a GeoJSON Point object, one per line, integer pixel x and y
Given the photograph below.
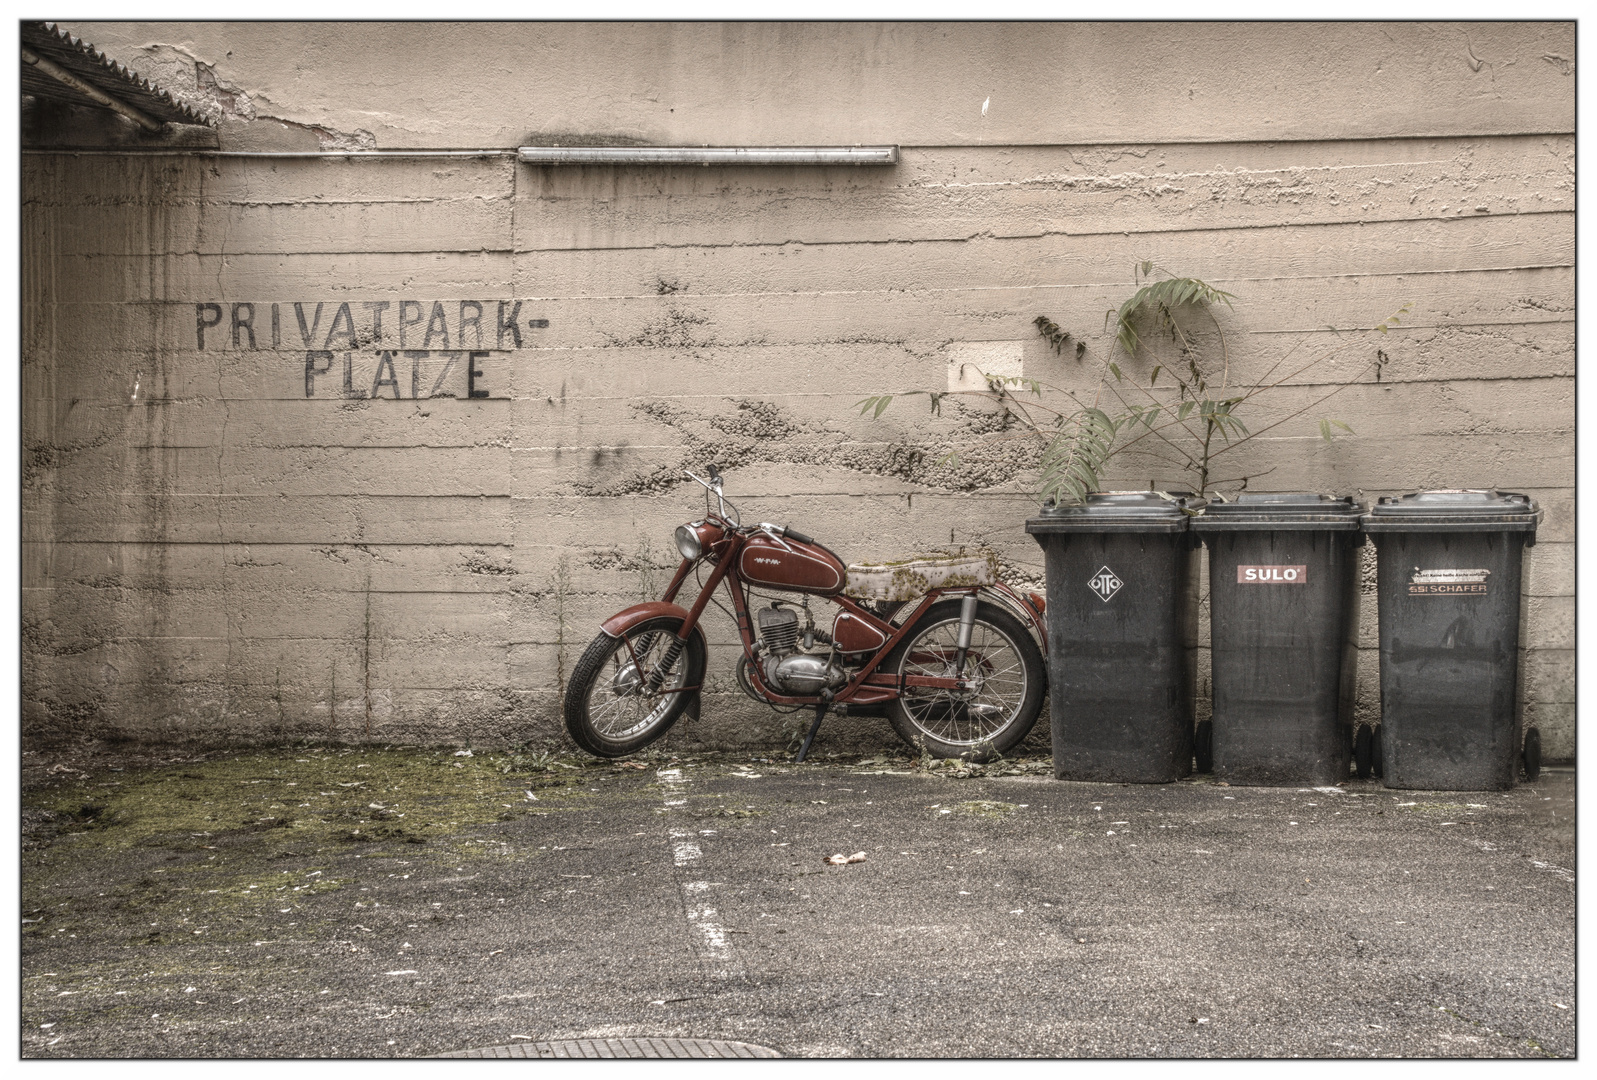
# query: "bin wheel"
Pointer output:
{"type": "Point", "coordinates": [1203, 746]}
{"type": "Point", "coordinates": [1375, 751]}
{"type": "Point", "coordinates": [1361, 752]}
{"type": "Point", "coordinates": [1533, 754]}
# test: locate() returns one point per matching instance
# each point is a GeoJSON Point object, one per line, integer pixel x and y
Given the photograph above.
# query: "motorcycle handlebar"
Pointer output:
{"type": "Point", "coordinates": [780, 531]}
{"type": "Point", "coordinates": [713, 487]}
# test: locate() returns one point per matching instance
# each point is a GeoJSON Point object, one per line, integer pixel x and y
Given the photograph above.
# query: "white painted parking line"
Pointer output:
{"type": "Point", "coordinates": [685, 851]}
{"type": "Point", "coordinates": [707, 937]}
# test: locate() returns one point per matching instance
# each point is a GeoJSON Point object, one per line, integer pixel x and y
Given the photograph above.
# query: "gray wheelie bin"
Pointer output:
{"type": "Point", "coordinates": [1283, 620]}
{"type": "Point", "coordinates": [1122, 633]}
{"type": "Point", "coordinates": [1449, 594]}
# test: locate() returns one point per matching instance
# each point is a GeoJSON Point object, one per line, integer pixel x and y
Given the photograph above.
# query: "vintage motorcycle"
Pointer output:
{"type": "Point", "coordinates": [956, 669]}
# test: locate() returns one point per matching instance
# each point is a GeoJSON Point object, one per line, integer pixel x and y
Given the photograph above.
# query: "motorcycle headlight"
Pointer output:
{"type": "Point", "coordinates": [688, 542]}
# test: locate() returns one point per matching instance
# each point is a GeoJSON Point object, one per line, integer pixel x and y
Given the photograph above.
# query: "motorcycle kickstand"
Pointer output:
{"type": "Point", "coordinates": [820, 714]}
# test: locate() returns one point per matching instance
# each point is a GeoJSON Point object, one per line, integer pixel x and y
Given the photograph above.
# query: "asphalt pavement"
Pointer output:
{"type": "Point", "coordinates": [988, 916]}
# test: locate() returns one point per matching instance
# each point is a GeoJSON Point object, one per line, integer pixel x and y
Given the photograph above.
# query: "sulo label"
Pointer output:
{"type": "Point", "coordinates": [1272, 575]}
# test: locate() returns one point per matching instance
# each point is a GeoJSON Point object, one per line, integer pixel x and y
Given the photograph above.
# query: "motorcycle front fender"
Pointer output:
{"type": "Point", "coordinates": [622, 621]}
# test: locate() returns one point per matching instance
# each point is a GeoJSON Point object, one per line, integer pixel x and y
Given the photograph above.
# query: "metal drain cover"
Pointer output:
{"type": "Point", "coordinates": [620, 1048]}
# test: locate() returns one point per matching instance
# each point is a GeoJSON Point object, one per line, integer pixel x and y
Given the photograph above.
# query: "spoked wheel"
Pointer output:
{"type": "Point", "coordinates": [626, 692]}
{"type": "Point", "coordinates": [1006, 676]}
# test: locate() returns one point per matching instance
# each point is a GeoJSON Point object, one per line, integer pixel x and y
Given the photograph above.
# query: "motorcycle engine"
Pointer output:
{"type": "Point", "coordinates": [786, 667]}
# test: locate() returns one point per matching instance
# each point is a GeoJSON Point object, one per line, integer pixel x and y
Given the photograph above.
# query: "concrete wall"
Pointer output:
{"type": "Point", "coordinates": [210, 553]}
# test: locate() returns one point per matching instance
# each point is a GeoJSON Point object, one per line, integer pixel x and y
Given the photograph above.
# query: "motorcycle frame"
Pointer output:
{"type": "Point", "coordinates": [867, 686]}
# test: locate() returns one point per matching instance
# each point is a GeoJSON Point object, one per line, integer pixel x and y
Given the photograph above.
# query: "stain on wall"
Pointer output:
{"type": "Point", "coordinates": [265, 496]}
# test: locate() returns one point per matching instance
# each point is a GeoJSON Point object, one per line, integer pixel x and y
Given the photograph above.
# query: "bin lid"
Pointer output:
{"type": "Point", "coordinates": [1119, 512]}
{"type": "Point", "coordinates": [1462, 510]}
{"type": "Point", "coordinates": [1281, 511]}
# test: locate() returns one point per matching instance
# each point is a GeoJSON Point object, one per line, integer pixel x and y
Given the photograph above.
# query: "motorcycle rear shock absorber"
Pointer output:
{"type": "Point", "coordinates": [967, 623]}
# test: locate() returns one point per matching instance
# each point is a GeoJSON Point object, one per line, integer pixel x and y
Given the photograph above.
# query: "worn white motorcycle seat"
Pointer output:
{"type": "Point", "coordinates": [907, 579]}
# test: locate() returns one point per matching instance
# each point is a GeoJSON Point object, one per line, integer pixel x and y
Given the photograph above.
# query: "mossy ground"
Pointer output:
{"type": "Point", "coordinates": [194, 899]}
{"type": "Point", "coordinates": [207, 845]}
{"type": "Point", "coordinates": [245, 905]}
{"type": "Point", "coordinates": [146, 881]}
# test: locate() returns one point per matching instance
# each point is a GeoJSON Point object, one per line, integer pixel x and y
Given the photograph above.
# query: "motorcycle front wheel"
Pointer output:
{"type": "Point", "coordinates": [627, 691]}
{"type": "Point", "coordinates": [1004, 667]}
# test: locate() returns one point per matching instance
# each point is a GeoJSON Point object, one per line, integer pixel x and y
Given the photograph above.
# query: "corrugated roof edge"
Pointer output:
{"type": "Point", "coordinates": [132, 88]}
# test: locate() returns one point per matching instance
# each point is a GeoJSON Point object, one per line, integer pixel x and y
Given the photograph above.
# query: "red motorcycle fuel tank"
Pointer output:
{"type": "Point", "coordinates": [807, 568]}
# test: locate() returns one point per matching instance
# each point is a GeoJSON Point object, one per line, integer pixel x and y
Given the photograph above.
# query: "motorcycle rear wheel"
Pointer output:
{"type": "Point", "coordinates": [980, 724]}
{"type": "Point", "coordinates": [610, 709]}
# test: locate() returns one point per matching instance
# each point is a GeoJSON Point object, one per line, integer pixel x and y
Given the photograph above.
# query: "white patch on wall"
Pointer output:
{"type": "Point", "coordinates": [968, 361]}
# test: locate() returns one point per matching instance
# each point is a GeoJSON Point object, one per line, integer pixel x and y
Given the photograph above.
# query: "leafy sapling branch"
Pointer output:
{"type": "Point", "coordinates": [1202, 422]}
{"type": "Point", "coordinates": [1188, 421]}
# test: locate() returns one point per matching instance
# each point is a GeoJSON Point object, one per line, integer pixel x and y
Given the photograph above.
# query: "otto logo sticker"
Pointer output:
{"type": "Point", "coordinates": [1272, 575]}
{"type": "Point", "coordinates": [1447, 582]}
{"type": "Point", "coordinates": [1105, 583]}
